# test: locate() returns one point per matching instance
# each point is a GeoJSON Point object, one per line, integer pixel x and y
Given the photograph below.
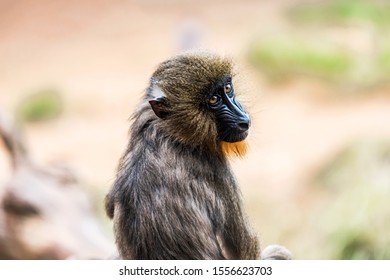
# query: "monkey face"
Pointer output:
{"type": "Point", "coordinates": [193, 95]}
{"type": "Point", "coordinates": [232, 120]}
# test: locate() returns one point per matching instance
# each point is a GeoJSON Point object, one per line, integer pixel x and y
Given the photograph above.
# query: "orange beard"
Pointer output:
{"type": "Point", "coordinates": [237, 149]}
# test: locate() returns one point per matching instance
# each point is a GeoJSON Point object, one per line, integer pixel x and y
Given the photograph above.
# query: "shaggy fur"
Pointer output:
{"type": "Point", "coordinates": [175, 196]}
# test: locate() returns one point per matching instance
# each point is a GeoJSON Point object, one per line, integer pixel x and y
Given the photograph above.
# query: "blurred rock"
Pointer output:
{"type": "Point", "coordinates": [44, 212]}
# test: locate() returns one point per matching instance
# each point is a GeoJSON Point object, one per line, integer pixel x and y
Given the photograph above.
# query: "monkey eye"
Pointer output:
{"type": "Point", "coordinates": [228, 89]}
{"type": "Point", "coordinates": [213, 99]}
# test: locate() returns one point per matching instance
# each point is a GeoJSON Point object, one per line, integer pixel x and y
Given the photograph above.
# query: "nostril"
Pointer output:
{"type": "Point", "coordinates": [243, 126]}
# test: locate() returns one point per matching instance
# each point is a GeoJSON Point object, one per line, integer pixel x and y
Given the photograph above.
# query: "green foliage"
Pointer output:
{"type": "Point", "coordinates": [354, 245]}
{"type": "Point", "coordinates": [282, 58]}
{"type": "Point", "coordinates": [342, 12]}
{"type": "Point", "coordinates": [287, 57]}
{"type": "Point", "coordinates": [357, 217]}
{"type": "Point", "coordinates": [384, 60]}
{"type": "Point", "coordinates": [336, 61]}
{"type": "Point", "coordinates": [42, 105]}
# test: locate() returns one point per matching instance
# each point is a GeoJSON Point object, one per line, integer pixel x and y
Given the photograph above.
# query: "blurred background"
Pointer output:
{"type": "Point", "coordinates": [315, 77]}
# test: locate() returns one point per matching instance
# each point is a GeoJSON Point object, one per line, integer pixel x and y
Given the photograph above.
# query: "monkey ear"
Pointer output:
{"type": "Point", "coordinates": [159, 106]}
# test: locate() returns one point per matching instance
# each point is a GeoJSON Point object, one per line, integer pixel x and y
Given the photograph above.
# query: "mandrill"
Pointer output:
{"type": "Point", "coordinates": [175, 196]}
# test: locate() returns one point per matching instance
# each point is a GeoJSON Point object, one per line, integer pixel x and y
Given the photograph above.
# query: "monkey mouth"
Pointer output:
{"type": "Point", "coordinates": [234, 132]}
{"type": "Point", "coordinates": [234, 136]}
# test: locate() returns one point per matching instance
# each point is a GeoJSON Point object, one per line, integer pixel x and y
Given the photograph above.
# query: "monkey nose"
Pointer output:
{"type": "Point", "coordinates": [243, 126]}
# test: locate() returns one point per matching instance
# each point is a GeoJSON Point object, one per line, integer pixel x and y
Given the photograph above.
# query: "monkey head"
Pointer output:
{"type": "Point", "coordinates": [193, 96]}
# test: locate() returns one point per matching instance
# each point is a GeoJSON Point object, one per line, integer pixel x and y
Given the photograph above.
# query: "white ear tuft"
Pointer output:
{"type": "Point", "coordinates": [156, 92]}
